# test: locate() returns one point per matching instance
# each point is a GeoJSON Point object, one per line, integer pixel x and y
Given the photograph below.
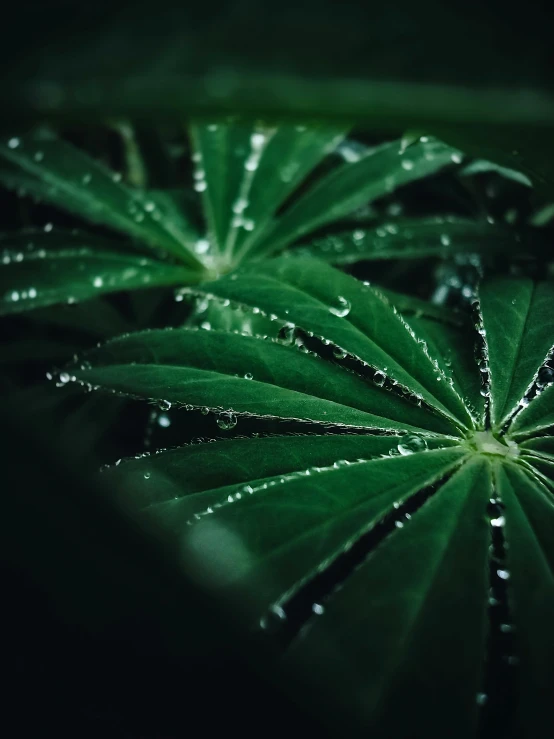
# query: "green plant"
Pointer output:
{"type": "Point", "coordinates": [403, 520]}
{"type": "Point", "coordinates": [250, 200]}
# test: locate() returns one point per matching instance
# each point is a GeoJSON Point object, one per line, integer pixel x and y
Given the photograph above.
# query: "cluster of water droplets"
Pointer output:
{"type": "Point", "coordinates": [500, 644]}
{"type": "Point", "coordinates": [259, 139]}
{"type": "Point", "coordinates": [481, 353]}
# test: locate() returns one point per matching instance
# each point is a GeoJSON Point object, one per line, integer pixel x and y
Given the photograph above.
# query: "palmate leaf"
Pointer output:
{"type": "Point", "coordinates": [67, 267]}
{"type": "Point", "coordinates": [249, 200]}
{"type": "Point", "coordinates": [415, 238]}
{"type": "Point", "coordinates": [375, 546]}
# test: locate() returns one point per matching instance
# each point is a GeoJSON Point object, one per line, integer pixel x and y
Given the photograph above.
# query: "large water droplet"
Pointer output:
{"type": "Point", "coordinates": [342, 309]}
{"type": "Point", "coordinates": [13, 143]}
{"type": "Point", "coordinates": [227, 421]}
{"type": "Point", "coordinates": [164, 405]}
{"type": "Point", "coordinates": [379, 378]}
{"type": "Point", "coordinates": [412, 444]}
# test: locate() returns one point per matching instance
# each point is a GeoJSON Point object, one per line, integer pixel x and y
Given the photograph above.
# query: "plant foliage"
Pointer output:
{"type": "Point", "coordinates": [404, 526]}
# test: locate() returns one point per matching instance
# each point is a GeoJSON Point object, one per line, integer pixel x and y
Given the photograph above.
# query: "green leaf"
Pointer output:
{"type": "Point", "coordinates": [69, 178]}
{"type": "Point", "coordinates": [480, 166]}
{"type": "Point", "coordinates": [305, 523]}
{"type": "Point", "coordinates": [385, 637]}
{"type": "Point", "coordinates": [452, 346]}
{"type": "Point", "coordinates": [536, 417]}
{"type": "Point", "coordinates": [70, 269]}
{"type": "Point", "coordinates": [415, 239]}
{"type": "Point", "coordinates": [245, 172]}
{"type": "Point", "coordinates": [541, 445]}
{"type": "Point", "coordinates": [378, 173]}
{"type": "Point", "coordinates": [367, 545]}
{"type": "Point", "coordinates": [355, 317]}
{"type": "Point", "coordinates": [198, 472]}
{"type": "Point", "coordinates": [530, 559]}
{"type": "Point", "coordinates": [517, 318]}
{"type": "Point", "coordinates": [526, 150]}
{"type": "Point", "coordinates": [245, 374]}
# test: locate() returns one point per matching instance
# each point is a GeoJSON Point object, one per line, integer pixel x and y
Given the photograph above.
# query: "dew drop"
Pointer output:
{"type": "Point", "coordinates": [481, 699]}
{"type": "Point", "coordinates": [226, 421]}
{"type": "Point", "coordinates": [545, 376]}
{"type": "Point", "coordinates": [202, 246]}
{"type": "Point", "coordinates": [343, 308]}
{"type": "Point", "coordinates": [456, 158]}
{"type": "Point", "coordinates": [445, 240]}
{"type": "Point", "coordinates": [200, 186]}
{"type": "Point", "coordinates": [64, 378]}
{"type": "Point", "coordinates": [38, 156]}
{"type": "Point", "coordinates": [412, 444]}
{"type": "Point", "coordinates": [164, 405]}
{"type": "Point", "coordinates": [86, 178]}
{"type": "Point", "coordinates": [13, 143]}
{"type": "Point", "coordinates": [339, 353]}
{"type": "Point", "coordinates": [379, 378]}
{"type": "Point", "coordinates": [503, 574]}
{"type": "Point", "coordinates": [407, 164]}
{"type": "Point", "coordinates": [248, 376]}
{"type": "Point", "coordinates": [164, 420]}
{"type": "Point", "coordinates": [147, 475]}
{"type": "Point", "coordinates": [48, 227]}
{"type": "Point", "coordinates": [98, 282]}
{"type": "Point", "coordinates": [318, 609]}
{"type": "Point", "coordinates": [497, 523]}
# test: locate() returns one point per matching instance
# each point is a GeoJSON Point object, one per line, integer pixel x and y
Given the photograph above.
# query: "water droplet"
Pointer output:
{"type": "Point", "coordinates": [226, 421]}
{"type": "Point", "coordinates": [117, 176]}
{"type": "Point", "coordinates": [412, 444]}
{"type": "Point", "coordinates": [498, 522]}
{"type": "Point", "coordinates": [343, 308]}
{"type": "Point", "coordinates": [147, 475]}
{"type": "Point", "coordinates": [204, 411]}
{"type": "Point", "coordinates": [445, 240]}
{"type": "Point", "coordinates": [86, 178]}
{"type": "Point", "coordinates": [64, 378]}
{"type": "Point", "coordinates": [257, 140]}
{"type": "Point", "coordinates": [13, 296]}
{"type": "Point", "coordinates": [164, 420]}
{"type": "Point", "coordinates": [13, 143]}
{"type": "Point", "coordinates": [545, 376]}
{"type": "Point", "coordinates": [48, 227]}
{"type": "Point", "coordinates": [407, 164]}
{"type": "Point", "coordinates": [506, 628]}
{"type": "Point", "coordinates": [503, 574]}
{"type": "Point", "coordinates": [32, 292]}
{"type": "Point", "coordinates": [164, 405]}
{"type": "Point", "coordinates": [240, 205]}
{"type": "Point", "coordinates": [38, 156]}
{"type": "Point", "coordinates": [481, 699]}
{"type": "Point", "coordinates": [318, 609]}
{"type": "Point", "coordinates": [379, 378]}
{"type": "Point", "coordinates": [98, 282]}
{"type": "Point", "coordinates": [339, 353]}
{"type": "Point", "coordinates": [248, 376]}
{"type": "Point", "coordinates": [202, 246]}
{"type": "Point", "coordinates": [248, 224]}
{"type": "Point", "coordinates": [200, 186]}
{"type": "Point", "coordinates": [456, 158]}
{"type": "Point", "coordinates": [287, 333]}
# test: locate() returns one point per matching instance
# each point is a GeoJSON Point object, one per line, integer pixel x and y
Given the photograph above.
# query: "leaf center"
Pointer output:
{"type": "Point", "coordinates": [486, 442]}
